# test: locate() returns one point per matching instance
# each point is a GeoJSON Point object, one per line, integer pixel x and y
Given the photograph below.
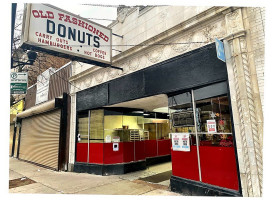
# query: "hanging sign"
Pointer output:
{"type": "Point", "coordinates": [50, 29]}
{"type": "Point", "coordinates": [220, 50]}
{"type": "Point", "coordinates": [180, 142]}
{"type": "Point", "coordinates": [18, 82]}
{"type": "Point", "coordinates": [211, 126]}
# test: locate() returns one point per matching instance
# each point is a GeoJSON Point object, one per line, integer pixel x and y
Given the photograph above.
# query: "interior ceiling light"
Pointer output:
{"type": "Point", "coordinates": [137, 111]}
{"type": "Point", "coordinates": [161, 110]}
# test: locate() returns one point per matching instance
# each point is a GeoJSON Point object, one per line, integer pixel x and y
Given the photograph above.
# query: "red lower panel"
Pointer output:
{"type": "Point", "coordinates": [113, 157]}
{"type": "Point", "coordinates": [218, 166]}
{"type": "Point", "coordinates": [128, 151]}
{"type": "Point", "coordinates": [140, 150]}
{"type": "Point", "coordinates": [185, 164]}
{"type": "Point", "coordinates": [164, 147]}
{"type": "Point", "coordinates": [150, 148]}
{"type": "Point", "coordinates": [96, 153]}
{"type": "Point", "coordinates": [82, 152]}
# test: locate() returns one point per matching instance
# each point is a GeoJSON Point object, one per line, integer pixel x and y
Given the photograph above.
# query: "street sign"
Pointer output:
{"type": "Point", "coordinates": [220, 50]}
{"type": "Point", "coordinates": [18, 82]}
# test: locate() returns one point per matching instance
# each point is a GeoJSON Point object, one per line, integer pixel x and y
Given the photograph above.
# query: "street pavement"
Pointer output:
{"type": "Point", "coordinates": [45, 181]}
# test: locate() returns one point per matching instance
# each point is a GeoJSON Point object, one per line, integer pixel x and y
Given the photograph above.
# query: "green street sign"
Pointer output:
{"type": "Point", "coordinates": [18, 82]}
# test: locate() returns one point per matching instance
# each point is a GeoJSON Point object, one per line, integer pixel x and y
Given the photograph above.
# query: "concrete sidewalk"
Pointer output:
{"type": "Point", "coordinates": [45, 181]}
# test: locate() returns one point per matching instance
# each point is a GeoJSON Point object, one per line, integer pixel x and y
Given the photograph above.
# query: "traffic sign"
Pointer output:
{"type": "Point", "coordinates": [220, 50]}
{"type": "Point", "coordinates": [18, 82]}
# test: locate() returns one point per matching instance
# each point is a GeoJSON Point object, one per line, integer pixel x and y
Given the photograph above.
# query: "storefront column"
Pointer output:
{"type": "Point", "coordinates": [72, 132]}
{"type": "Point", "coordinates": [246, 105]}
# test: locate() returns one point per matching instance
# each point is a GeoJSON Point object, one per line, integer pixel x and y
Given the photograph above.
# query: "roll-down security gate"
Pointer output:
{"type": "Point", "coordinates": [40, 139]}
{"type": "Point", "coordinates": [43, 134]}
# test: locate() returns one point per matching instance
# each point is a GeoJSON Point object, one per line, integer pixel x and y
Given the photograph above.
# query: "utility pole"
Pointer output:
{"type": "Point", "coordinates": [13, 16]}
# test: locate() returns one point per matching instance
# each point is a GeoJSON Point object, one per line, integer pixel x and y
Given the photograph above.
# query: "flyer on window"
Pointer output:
{"type": "Point", "coordinates": [180, 142]}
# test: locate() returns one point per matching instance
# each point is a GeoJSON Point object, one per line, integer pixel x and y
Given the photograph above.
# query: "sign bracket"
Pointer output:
{"type": "Point", "coordinates": [114, 67]}
{"type": "Point", "coordinates": [120, 36]}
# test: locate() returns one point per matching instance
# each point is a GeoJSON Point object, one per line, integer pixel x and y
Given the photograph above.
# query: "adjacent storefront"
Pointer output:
{"type": "Point", "coordinates": [14, 128]}
{"type": "Point", "coordinates": [40, 135]}
{"type": "Point", "coordinates": [43, 128]}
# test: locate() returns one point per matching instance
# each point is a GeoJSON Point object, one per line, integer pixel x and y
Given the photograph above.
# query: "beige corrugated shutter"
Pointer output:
{"type": "Point", "coordinates": [16, 142]}
{"type": "Point", "coordinates": [39, 141]}
{"type": "Point", "coordinates": [11, 137]}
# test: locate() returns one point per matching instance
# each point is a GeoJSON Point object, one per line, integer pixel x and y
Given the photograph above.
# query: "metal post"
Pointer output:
{"type": "Point", "coordinates": [13, 16]}
{"type": "Point", "coordinates": [157, 137]}
{"type": "Point", "coordinates": [197, 139]}
{"type": "Point", "coordinates": [88, 133]}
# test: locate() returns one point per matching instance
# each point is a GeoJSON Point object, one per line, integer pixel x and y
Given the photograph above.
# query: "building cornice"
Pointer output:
{"type": "Point", "coordinates": [184, 26]}
{"type": "Point", "coordinates": [84, 73]}
{"type": "Point", "coordinates": [235, 35]}
{"type": "Point", "coordinates": [193, 22]}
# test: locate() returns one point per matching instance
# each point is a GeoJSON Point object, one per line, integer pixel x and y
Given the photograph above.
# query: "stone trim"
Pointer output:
{"type": "Point", "coordinates": [184, 26]}
{"type": "Point", "coordinates": [145, 10]}
{"type": "Point", "coordinates": [243, 140]}
{"type": "Point", "coordinates": [146, 56]}
{"type": "Point", "coordinates": [249, 147]}
{"type": "Point", "coordinates": [252, 111]}
{"type": "Point", "coordinates": [235, 35]}
{"type": "Point", "coordinates": [84, 73]}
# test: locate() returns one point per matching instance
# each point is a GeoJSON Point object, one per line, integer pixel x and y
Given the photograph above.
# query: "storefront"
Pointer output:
{"type": "Point", "coordinates": [121, 125]}
{"type": "Point", "coordinates": [42, 134]}
{"type": "Point", "coordinates": [169, 66]}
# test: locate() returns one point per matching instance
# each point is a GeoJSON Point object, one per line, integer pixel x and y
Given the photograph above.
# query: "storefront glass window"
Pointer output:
{"type": "Point", "coordinates": [82, 138]}
{"type": "Point", "coordinates": [163, 130]}
{"type": "Point", "coordinates": [133, 127]}
{"type": "Point", "coordinates": [83, 129]}
{"type": "Point", "coordinates": [212, 160]}
{"type": "Point", "coordinates": [113, 126]}
{"type": "Point", "coordinates": [150, 126]}
{"type": "Point", "coordinates": [182, 121]}
{"type": "Point", "coordinates": [214, 122]}
{"type": "Point", "coordinates": [96, 126]}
